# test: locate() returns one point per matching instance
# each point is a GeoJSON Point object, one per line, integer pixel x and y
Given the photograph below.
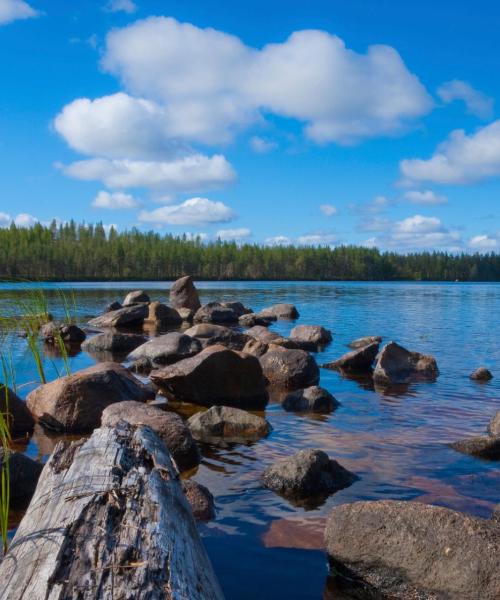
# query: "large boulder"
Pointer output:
{"type": "Point", "coordinates": [23, 475]}
{"type": "Point", "coordinates": [227, 423]}
{"type": "Point", "coordinates": [311, 399]}
{"type": "Point", "coordinates": [16, 413]}
{"type": "Point", "coordinates": [255, 347]}
{"type": "Point", "coordinates": [186, 314]}
{"type": "Point", "coordinates": [364, 341]}
{"type": "Point", "coordinates": [161, 315]}
{"type": "Point", "coordinates": [128, 316]}
{"type": "Point", "coordinates": [290, 369]}
{"type": "Point", "coordinates": [70, 334]}
{"type": "Point", "coordinates": [396, 365]}
{"type": "Point", "coordinates": [113, 306]}
{"type": "Point", "coordinates": [216, 375]}
{"type": "Point", "coordinates": [482, 446]}
{"type": "Point", "coordinates": [251, 319]}
{"type": "Point", "coordinates": [214, 312]}
{"type": "Point", "coordinates": [168, 425]}
{"type": "Point", "coordinates": [239, 308]}
{"type": "Point", "coordinates": [494, 426]}
{"type": "Point", "coordinates": [356, 361]}
{"type": "Point", "coordinates": [402, 550]}
{"type": "Point", "coordinates": [210, 334]}
{"type": "Point", "coordinates": [310, 337]}
{"type": "Point", "coordinates": [200, 499]}
{"type": "Point", "coordinates": [136, 297]}
{"type": "Point", "coordinates": [75, 403]}
{"type": "Point", "coordinates": [307, 473]}
{"type": "Point", "coordinates": [481, 374]}
{"type": "Point", "coordinates": [280, 311]}
{"type": "Point", "coordinates": [183, 294]}
{"type": "Point", "coordinates": [113, 342]}
{"type": "Point", "coordinates": [165, 350]}
{"type": "Point", "coordinates": [262, 334]}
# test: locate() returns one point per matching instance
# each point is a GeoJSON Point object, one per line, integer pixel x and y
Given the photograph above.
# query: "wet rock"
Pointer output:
{"type": "Point", "coordinates": [307, 473]}
{"type": "Point", "coordinates": [494, 426]}
{"type": "Point", "coordinates": [209, 335]}
{"type": "Point", "coordinates": [161, 315]}
{"type": "Point", "coordinates": [356, 361]}
{"type": "Point", "coordinates": [216, 375]}
{"type": "Point", "coordinates": [239, 308]}
{"type": "Point", "coordinates": [113, 306]}
{"type": "Point", "coordinates": [186, 314]}
{"type": "Point", "coordinates": [403, 550]}
{"type": "Point", "coordinates": [310, 337]}
{"type": "Point", "coordinates": [396, 365]}
{"type": "Point", "coordinates": [168, 425]}
{"type": "Point", "coordinates": [214, 312]}
{"type": "Point", "coordinates": [483, 446]}
{"type": "Point", "coordinates": [165, 350]}
{"type": "Point", "coordinates": [364, 341]}
{"type": "Point", "coordinates": [23, 474]}
{"type": "Point", "coordinates": [16, 413]}
{"type": "Point", "coordinates": [69, 334]}
{"type": "Point", "coordinates": [136, 297]}
{"type": "Point", "coordinates": [310, 399]}
{"type": "Point", "coordinates": [183, 294]}
{"type": "Point", "coordinates": [265, 336]}
{"type": "Point", "coordinates": [290, 369]}
{"type": "Point", "coordinates": [130, 316]}
{"type": "Point", "coordinates": [228, 423]}
{"type": "Point", "coordinates": [255, 348]}
{"type": "Point", "coordinates": [281, 311]}
{"type": "Point", "coordinates": [251, 319]}
{"type": "Point", "coordinates": [75, 403]}
{"type": "Point", "coordinates": [200, 499]}
{"type": "Point", "coordinates": [481, 374]}
{"type": "Point", "coordinates": [113, 342]}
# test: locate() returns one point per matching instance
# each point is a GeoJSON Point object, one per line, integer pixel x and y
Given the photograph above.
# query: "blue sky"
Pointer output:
{"type": "Point", "coordinates": [273, 122]}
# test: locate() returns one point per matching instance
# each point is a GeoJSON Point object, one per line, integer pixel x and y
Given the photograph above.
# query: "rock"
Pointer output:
{"type": "Point", "coordinates": [166, 349]}
{"type": "Point", "coordinates": [209, 335]}
{"type": "Point", "coordinates": [496, 514]}
{"type": "Point", "coordinates": [228, 423]}
{"type": "Point", "coordinates": [214, 312]}
{"type": "Point", "coordinates": [403, 550]}
{"type": "Point", "coordinates": [310, 399]}
{"type": "Point", "coordinates": [494, 426]}
{"type": "Point", "coordinates": [251, 319]}
{"type": "Point", "coordinates": [216, 375]}
{"type": "Point", "coordinates": [136, 297]}
{"type": "Point", "coordinates": [307, 473]}
{"type": "Point", "coordinates": [69, 334]}
{"type": "Point", "coordinates": [364, 341]}
{"type": "Point", "coordinates": [130, 316]}
{"type": "Point", "coordinates": [481, 374]}
{"type": "Point", "coordinates": [116, 343]}
{"type": "Point", "coordinates": [396, 365]}
{"type": "Point", "coordinates": [161, 315]}
{"type": "Point", "coordinates": [483, 446]}
{"type": "Point", "coordinates": [186, 314]}
{"type": "Point", "coordinates": [200, 499]}
{"type": "Point", "coordinates": [255, 348]}
{"type": "Point", "coordinates": [183, 294]}
{"type": "Point", "coordinates": [310, 337]}
{"type": "Point", "coordinates": [113, 306]}
{"type": "Point", "coordinates": [75, 403]}
{"type": "Point", "coordinates": [281, 311]}
{"type": "Point", "coordinates": [23, 474]}
{"type": "Point", "coordinates": [290, 369]}
{"type": "Point", "coordinates": [265, 336]}
{"type": "Point", "coordinates": [168, 425]}
{"type": "Point", "coordinates": [16, 413]}
{"type": "Point", "coordinates": [239, 308]}
{"type": "Point", "coordinates": [356, 361]}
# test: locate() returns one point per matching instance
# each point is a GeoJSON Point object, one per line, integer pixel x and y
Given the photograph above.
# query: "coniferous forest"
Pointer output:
{"type": "Point", "coordinates": [85, 252]}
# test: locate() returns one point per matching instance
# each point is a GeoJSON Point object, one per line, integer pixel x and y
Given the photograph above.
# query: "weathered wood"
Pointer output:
{"type": "Point", "coordinates": [109, 520]}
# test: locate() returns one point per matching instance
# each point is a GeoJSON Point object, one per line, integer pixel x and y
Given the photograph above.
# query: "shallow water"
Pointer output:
{"type": "Point", "coordinates": [261, 545]}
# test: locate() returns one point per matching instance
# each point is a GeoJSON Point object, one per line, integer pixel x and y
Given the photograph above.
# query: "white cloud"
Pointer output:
{"type": "Point", "coordinates": [21, 220]}
{"type": "Point", "coordinates": [261, 145]}
{"type": "Point", "coordinates": [328, 210]}
{"type": "Point", "coordinates": [114, 200]}
{"type": "Point", "coordinates": [13, 10]}
{"type": "Point", "coordinates": [425, 197]}
{"type": "Point", "coordinates": [186, 174]}
{"type": "Point", "coordinates": [317, 239]}
{"type": "Point", "coordinates": [126, 6]}
{"type": "Point", "coordinates": [194, 212]}
{"type": "Point", "coordinates": [477, 103]}
{"type": "Point", "coordinates": [485, 242]}
{"type": "Point", "coordinates": [461, 159]}
{"type": "Point", "coordinates": [234, 234]}
{"type": "Point", "coordinates": [5, 219]}
{"type": "Point", "coordinates": [278, 240]}
{"type": "Point", "coordinates": [377, 205]}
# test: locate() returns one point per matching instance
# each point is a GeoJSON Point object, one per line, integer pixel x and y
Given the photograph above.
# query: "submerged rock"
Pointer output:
{"type": "Point", "coordinates": [200, 499]}
{"type": "Point", "coordinates": [356, 361]}
{"type": "Point", "coordinates": [183, 294]}
{"type": "Point", "coordinates": [165, 350]}
{"type": "Point", "coordinates": [364, 341]}
{"type": "Point", "coordinates": [483, 446]}
{"type": "Point", "coordinates": [396, 365]}
{"type": "Point", "coordinates": [210, 334]}
{"type": "Point", "coordinates": [161, 315]}
{"type": "Point", "coordinates": [114, 342]}
{"type": "Point", "coordinates": [403, 550]}
{"type": "Point", "coordinates": [216, 375]}
{"type": "Point", "coordinates": [481, 374]}
{"type": "Point", "coordinates": [15, 413]}
{"type": "Point", "coordinates": [130, 316]}
{"type": "Point", "coordinates": [290, 369]}
{"type": "Point", "coordinates": [310, 399]}
{"type": "Point", "coordinates": [168, 425]}
{"type": "Point", "coordinates": [23, 475]}
{"type": "Point", "coordinates": [228, 423]}
{"type": "Point", "coordinates": [75, 403]}
{"type": "Point", "coordinates": [214, 312]}
{"type": "Point", "coordinates": [310, 337]}
{"type": "Point", "coordinates": [136, 297]}
{"type": "Point", "coordinates": [280, 311]}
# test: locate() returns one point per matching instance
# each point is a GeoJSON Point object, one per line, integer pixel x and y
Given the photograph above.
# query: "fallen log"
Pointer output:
{"type": "Point", "coordinates": [109, 520]}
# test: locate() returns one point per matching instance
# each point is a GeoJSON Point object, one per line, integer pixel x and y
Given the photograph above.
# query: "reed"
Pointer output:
{"type": "Point", "coordinates": [7, 369]}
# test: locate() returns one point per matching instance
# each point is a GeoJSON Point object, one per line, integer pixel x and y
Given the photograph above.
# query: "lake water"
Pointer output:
{"type": "Point", "coordinates": [262, 546]}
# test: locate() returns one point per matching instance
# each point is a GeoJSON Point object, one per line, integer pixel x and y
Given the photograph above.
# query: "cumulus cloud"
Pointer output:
{"type": "Point", "coordinates": [461, 159]}
{"type": "Point", "coordinates": [278, 240]}
{"type": "Point", "coordinates": [425, 197]}
{"type": "Point", "coordinates": [317, 239]}
{"type": "Point", "coordinates": [21, 220]}
{"type": "Point", "coordinates": [378, 204]}
{"type": "Point", "coordinates": [328, 210]}
{"type": "Point", "coordinates": [114, 200]}
{"type": "Point", "coordinates": [234, 234]}
{"type": "Point", "coordinates": [126, 6]}
{"type": "Point", "coordinates": [477, 103]}
{"type": "Point", "coordinates": [261, 145]}
{"type": "Point", "coordinates": [14, 10]}
{"type": "Point", "coordinates": [485, 242]}
{"type": "Point", "coordinates": [194, 212]}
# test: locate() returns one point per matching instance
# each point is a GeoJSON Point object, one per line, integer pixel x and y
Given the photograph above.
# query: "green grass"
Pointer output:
{"type": "Point", "coordinates": [7, 370]}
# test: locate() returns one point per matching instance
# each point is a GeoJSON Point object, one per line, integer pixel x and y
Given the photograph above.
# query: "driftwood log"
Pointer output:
{"type": "Point", "coordinates": [109, 520]}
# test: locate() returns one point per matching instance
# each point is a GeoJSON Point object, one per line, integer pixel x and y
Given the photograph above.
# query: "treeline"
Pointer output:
{"type": "Point", "coordinates": [86, 252]}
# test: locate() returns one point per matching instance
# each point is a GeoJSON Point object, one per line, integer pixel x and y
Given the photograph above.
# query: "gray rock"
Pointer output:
{"type": "Point", "coordinates": [310, 399]}
{"type": "Point", "coordinates": [396, 365]}
{"type": "Point", "coordinates": [200, 499]}
{"type": "Point", "coordinates": [23, 475]}
{"type": "Point", "coordinates": [113, 306]}
{"type": "Point", "coordinates": [494, 426]}
{"type": "Point", "coordinates": [251, 319]}
{"type": "Point", "coordinates": [114, 342]}
{"type": "Point", "coordinates": [227, 423]}
{"type": "Point", "coordinates": [356, 361]}
{"type": "Point", "coordinates": [364, 341]}
{"type": "Point", "coordinates": [239, 308]}
{"type": "Point", "coordinates": [186, 314]}
{"type": "Point", "coordinates": [310, 337]}
{"type": "Point", "coordinates": [255, 348]}
{"type": "Point", "coordinates": [496, 514]}
{"type": "Point", "coordinates": [183, 294]}
{"type": "Point", "coordinates": [481, 374]}
{"type": "Point", "coordinates": [214, 312]}
{"type": "Point", "coordinates": [210, 334]}
{"type": "Point", "coordinates": [406, 550]}
{"type": "Point", "coordinates": [166, 349]}
{"type": "Point", "coordinates": [68, 333]}
{"type": "Point", "coordinates": [290, 369]}
{"type": "Point", "coordinates": [135, 297]}
{"type": "Point", "coordinates": [265, 336]}
{"type": "Point", "coordinates": [15, 413]}
{"type": "Point", "coordinates": [161, 315]}
{"type": "Point", "coordinates": [281, 311]}
{"type": "Point", "coordinates": [483, 446]}
{"type": "Point", "coordinates": [130, 316]}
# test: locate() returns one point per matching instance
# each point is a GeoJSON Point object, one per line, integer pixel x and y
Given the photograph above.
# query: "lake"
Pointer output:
{"type": "Point", "coordinates": [261, 545]}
